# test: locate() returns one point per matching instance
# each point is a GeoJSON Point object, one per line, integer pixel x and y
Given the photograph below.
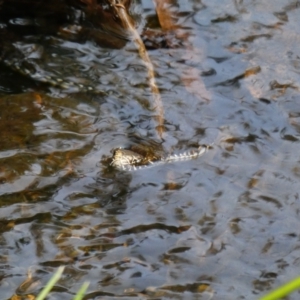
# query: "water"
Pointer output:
{"type": "Point", "coordinates": [223, 226]}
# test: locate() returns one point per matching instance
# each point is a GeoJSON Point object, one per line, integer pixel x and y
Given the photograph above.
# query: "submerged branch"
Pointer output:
{"type": "Point", "coordinates": [127, 23]}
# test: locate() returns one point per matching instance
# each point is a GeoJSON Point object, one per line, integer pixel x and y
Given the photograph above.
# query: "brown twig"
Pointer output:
{"type": "Point", "coordinates": [121, 12]}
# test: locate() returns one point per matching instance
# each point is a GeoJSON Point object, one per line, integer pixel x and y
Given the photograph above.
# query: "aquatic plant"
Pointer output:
{"type": "Point", "coordinates": [283, 290]}
{"type": "Point", "coordinates": [46, 290]}
{"type": "Point", "coordinates": [278, 293]}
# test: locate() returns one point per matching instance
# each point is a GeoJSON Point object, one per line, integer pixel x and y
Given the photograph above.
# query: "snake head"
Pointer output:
{"type": "Point", "coordinates": [124, 157]}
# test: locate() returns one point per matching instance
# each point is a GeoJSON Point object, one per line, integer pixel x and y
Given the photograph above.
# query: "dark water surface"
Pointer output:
{"type": "Point", "coordinates": [223, 226]}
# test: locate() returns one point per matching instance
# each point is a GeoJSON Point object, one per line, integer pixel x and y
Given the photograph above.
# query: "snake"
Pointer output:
{"type": "Point", "coordinates": [128, 160]}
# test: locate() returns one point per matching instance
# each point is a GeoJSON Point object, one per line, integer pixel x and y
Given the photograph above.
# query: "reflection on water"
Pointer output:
{"type": "Point", "coordinates": [223, 226]}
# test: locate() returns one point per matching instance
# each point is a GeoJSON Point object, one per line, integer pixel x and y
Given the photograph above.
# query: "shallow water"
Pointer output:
{"type": "Point", "coordinates": [222, 226]}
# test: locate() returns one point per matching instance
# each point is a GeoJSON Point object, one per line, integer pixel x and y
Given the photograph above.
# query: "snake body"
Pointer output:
{"type": "Point", "coordinates": [129, 160]}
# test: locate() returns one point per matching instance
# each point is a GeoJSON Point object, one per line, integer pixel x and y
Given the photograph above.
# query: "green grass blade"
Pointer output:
{"type": "Point", "coordinates": [81, 292]}
{"type": "Point", "coordinates": [50, 284]}
{"type": "Point", "coordinates": [283, 290]}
